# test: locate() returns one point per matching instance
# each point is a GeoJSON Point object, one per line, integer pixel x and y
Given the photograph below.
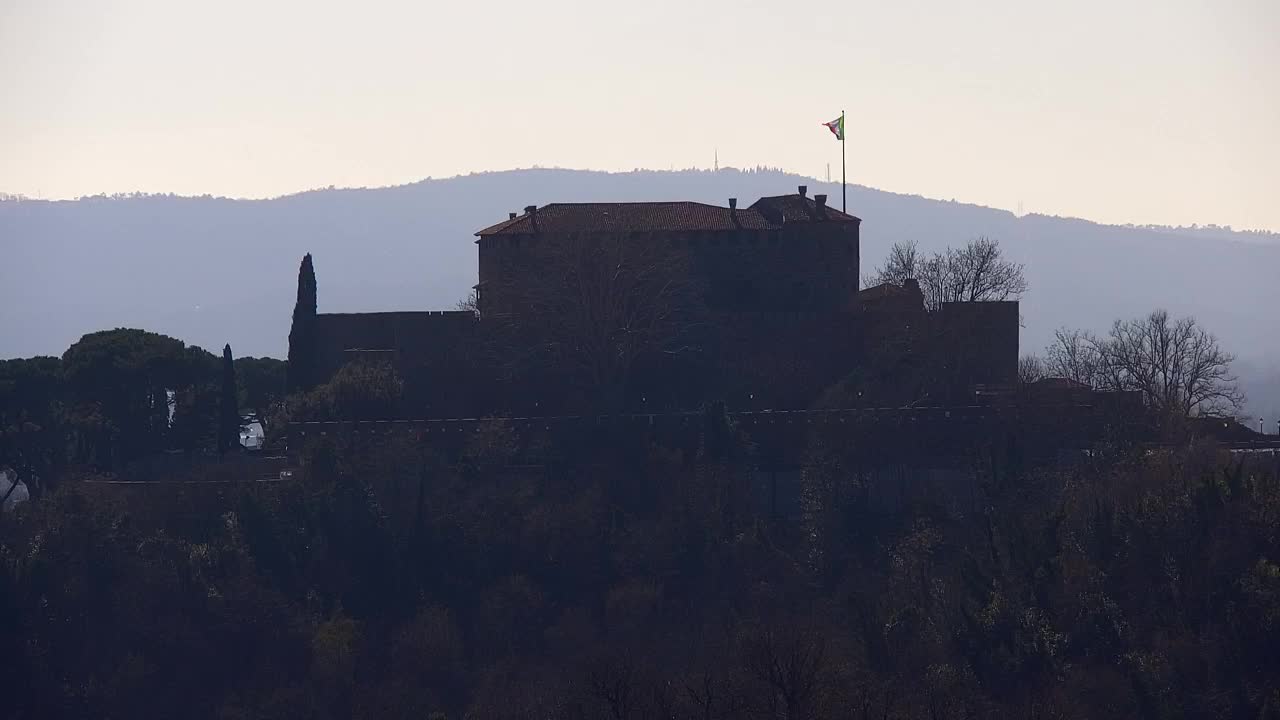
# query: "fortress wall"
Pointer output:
{"type": "Point", "coordinates": [981, 338]}
{"type": "Point", "coordinates": [811, 266]}
{"type": "Point", "coordinates": [436, 352]}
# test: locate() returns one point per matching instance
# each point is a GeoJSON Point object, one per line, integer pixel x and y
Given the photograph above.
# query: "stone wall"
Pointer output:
{"type": "Point", "coordinates": [438, 354]}
{"type": "Point", "coordinates": [980, 341]}
{"type": "Point", "coordinates": [806, 267]}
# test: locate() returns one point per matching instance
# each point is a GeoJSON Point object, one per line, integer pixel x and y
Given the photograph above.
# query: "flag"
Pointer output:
{"type": "Point", "coordinates": [836, 127]}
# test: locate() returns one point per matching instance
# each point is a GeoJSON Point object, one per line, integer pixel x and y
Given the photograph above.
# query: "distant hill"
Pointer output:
{"type": "Point", "coordinates": [215, 270]}
{"type": "Point", "coordinates": [1216, 232]}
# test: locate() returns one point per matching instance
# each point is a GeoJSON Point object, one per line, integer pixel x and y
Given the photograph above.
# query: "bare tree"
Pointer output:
{"type": "Point", "coordinates": [902, 264]}
{"type": "Point", "coordinates": [1030, 369]}
{"type": "Point", "coordinates": [975, 273]}
{"type": "Point", "coordinates": [937, 279]}
{"type": "Point", "coordinates": [1177, 365]}
{"type": "Point", "coordinates": [789, 662]}
{"type": "Point", "coordinates": [710, 694]}
{"type": "Point", "coordinates": [594, 306]}
{"type": "Point", "coordinates": [470, 303]}
{"type": "Point", "coordinates": [979, 272]}
{"type": "Point", "coordinates": [1076, 355]}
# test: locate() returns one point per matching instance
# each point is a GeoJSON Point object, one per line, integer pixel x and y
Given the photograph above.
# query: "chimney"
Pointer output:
{"type": "Point", "coordinates": [511, 216]}
{"type": "Point", "coordinates": [733, 211]}
{"type": "Point", "coordinates": [804, 189]}
{"type": "Point", "coordinates": [733, 203]}
{"type": "Point", "coordinates": [821, 201]}
{"type": "Point", "coordinates": [532, 212]}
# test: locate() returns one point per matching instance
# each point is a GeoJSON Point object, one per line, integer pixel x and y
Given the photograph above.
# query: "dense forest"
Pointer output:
{"type": "Point", "coordinates": [631, 580]}
{"type": "Point", "coordinates": [126, 400]}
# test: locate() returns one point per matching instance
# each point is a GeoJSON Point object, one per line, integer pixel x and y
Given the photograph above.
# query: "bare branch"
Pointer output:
{"type": "Point", "coordinates": [903, 263]}
{"type": "Point", "coordinates": [1030, 369]}
{"type": "Point", "coordinates": [977, 272]}
{"type": "Point", "coordinates": [1175, 364]}
{"type": "Point", "coordinates": [1074, 354]}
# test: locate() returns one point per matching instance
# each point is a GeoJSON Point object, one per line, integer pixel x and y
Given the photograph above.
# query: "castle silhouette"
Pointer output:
{"type": "Point", "coordinates": [664, 306]}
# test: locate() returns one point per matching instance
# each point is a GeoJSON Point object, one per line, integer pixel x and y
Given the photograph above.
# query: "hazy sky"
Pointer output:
{"type": "Point", "coordinates": [1115, 110]}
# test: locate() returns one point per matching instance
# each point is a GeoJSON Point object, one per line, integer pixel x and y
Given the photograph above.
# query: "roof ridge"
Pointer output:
{"type": "Point", "coordinates": [769, 212]}
{"type": "Point", "coordinates": [638, 202]}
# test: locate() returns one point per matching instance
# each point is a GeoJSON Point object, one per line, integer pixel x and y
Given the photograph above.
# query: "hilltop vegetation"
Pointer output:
{"type": "Point", "coordinates": [640, 582]}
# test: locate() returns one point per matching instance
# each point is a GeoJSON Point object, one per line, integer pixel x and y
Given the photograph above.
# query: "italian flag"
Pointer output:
{"type": "Point", "coordinates": [836, 127]}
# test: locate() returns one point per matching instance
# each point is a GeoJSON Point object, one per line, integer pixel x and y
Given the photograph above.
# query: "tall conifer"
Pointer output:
{"type": "Point", "coordinates": [302, 359]}
{"type": "Point", "coordinates": [228, 408]}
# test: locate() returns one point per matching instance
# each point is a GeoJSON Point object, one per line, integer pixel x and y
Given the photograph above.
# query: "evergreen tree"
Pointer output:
{"type": "Point", "coordinates": [302, 356]}
{"type": "Point", "coordinates": [228, 411]}
{"type": "Point", "coordinates": [120, 385]}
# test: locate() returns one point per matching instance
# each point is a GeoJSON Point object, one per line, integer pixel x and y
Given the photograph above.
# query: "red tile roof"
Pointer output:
{"type": "Point", "coordinates": [634, 217]}
{"type": "Point", "coordinates": [767, 214]}
{"type": "Point", "coordinates": [881, 291]}
{"type": "Point", "coordinates": [796, 208]}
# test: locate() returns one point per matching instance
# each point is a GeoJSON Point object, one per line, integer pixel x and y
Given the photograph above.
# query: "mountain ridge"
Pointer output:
{"type": "Point", "coordinates": [1224, 232]}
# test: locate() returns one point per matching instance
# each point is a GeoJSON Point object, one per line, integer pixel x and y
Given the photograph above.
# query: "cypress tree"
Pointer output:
{"type": "Point", "coordinates": [228, 409]}
{"type": "Point", "coordinates": [302, 351]}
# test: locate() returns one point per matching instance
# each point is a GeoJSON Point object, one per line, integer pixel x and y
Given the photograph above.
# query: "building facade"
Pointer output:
{"type": "Point", "coordinates": [786, 253]}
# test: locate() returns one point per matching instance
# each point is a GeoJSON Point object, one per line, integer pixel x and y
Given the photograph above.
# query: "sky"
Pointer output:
{"type": "Point", "coordinates": [1114, 110]}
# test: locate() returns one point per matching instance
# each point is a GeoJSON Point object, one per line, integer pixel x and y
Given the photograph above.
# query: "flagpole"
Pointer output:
{"type": "Point", "coordinates": [844, 200]}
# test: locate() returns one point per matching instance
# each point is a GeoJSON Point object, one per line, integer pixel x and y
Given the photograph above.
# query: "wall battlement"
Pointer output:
{"type": "Point", "coordinates": [778, 436]}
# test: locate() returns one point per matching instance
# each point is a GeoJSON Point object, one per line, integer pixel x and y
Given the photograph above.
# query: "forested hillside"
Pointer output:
{"type": "Point", "coordinates": [632, 580]}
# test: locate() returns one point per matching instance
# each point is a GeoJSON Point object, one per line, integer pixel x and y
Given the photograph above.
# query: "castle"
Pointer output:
{"type": "Point", "coordinates": [662, 306]}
